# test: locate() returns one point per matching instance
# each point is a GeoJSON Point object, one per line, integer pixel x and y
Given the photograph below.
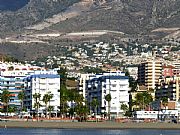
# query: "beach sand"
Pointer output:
{"type": "Point", "coordinates": [87, 125]}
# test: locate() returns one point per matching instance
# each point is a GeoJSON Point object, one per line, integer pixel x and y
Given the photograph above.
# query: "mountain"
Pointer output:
{"type": "Point", "coordinates": [152, 19]}
{"type": "Point", "coordinates": [128, 16]}
{"type": "Point", "coordinates": [33, 12]}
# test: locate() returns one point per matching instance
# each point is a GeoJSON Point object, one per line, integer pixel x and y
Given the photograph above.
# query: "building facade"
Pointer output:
{"type": "Point", "coordinates": [149, 73]}
{"type": "Point", "coordinates": [42, 84]}
{"type": "Point", "coordinates": [11, 79]}
{"type": "Point", "coordinates": [116, 84]}
{"type": "Point", "coordinates": [168, 87]}
{"type": "Point", "coordinates": [82, 83]}
{"type": "Point", "coordinates": [13, 82]}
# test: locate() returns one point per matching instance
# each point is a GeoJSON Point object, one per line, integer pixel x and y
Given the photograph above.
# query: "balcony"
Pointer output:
{"type": "Point", "coordinates": [8, 85]}
{"type": "Point", "coordinates": [158, 67]}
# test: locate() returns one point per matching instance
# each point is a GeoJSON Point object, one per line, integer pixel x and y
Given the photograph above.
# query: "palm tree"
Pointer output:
{"type": "Point", "coordinates": [108, 99]}
{"type": "Point", "coordinates": [12, 109]}
{"type": "Point", "coordinates": [143, 99]}
{"type": "Point", "coordinates": [63, 98]}
{"type": "Point", "coordinates": [165, 104]}
{"type": "Point", "coordinates": [21, 96]}
{"type": "Point", "coordinates": [124, 107]}
{"type": "Point", "coordinates": [95, 104]}
{"type": "Point", "coordinates": [63, 90]}
{"type": "Point", "coordinates": [5, 97]}
{"type": "Point", "coordinates": [79, 99]}
{"type": "Point", "coordinates": [37, 104]}
{"type": "Point", "coordinates": [51, 108]}
{"type": "Point", "coordinates": [82, 111]}
{"type": "Point", "coordinates": [71, 98]}
{"type": "Point", "coordinates": [46, 101]}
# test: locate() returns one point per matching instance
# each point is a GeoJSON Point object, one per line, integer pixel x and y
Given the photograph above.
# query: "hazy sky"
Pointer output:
{"type": "Point", "coordinates": [12, 4]}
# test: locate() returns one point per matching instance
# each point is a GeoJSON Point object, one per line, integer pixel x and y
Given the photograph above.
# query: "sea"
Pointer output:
{"type": "Point", "coordinates": [44, 131]}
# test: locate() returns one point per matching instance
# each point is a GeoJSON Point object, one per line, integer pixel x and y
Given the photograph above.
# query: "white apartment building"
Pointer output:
{"type": "Point", "coordinates": [82, 83]}
{"type": "Point", "coordinates": [114, 83]}
{"type": "Point", "coordinates": [42, 83]}
{"type": "Point", "coordinates": [12, 75]}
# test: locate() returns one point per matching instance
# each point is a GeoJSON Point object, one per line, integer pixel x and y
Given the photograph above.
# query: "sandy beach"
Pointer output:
{"type": "Point", "coordinates": [87, 125]}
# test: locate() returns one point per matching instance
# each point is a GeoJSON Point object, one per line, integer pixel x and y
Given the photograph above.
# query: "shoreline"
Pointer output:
{"type": "Point", "coordinates": [89, 125]}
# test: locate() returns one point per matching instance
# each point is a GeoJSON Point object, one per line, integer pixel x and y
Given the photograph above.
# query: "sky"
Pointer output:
{"type": "Point", "coordinates": [12, 5]}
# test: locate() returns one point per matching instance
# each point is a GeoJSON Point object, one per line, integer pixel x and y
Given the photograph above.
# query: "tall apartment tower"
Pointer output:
{"type": "Point", "coordinates": [149, 73]}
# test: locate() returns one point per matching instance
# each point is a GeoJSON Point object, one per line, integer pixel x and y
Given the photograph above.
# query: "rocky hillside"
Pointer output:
{"type": "Point", "coordinates": [33, 12]}
{"type": "Point", "coordinates": [128, 16]}
{"type": "Point", "coordinates": [155, 19]}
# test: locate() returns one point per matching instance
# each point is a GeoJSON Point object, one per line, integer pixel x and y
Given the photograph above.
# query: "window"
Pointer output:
{"type": "Point", "coordinates": [113, 108]}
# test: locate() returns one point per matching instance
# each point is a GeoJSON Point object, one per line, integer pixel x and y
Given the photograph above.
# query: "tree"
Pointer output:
{"type": "Point", "coordinates": [108, 99]}
{"type": "Point", "coordinates": [81, 107]}
{"type": "Point", "coordinates": [92, 70]}
{"type": "Point", "coordinates": [72, 94]}
{"type": "Point", "coordinates": [21, 96]}
{"type": "Point", "coordinates": [79, 99]}
{"type": "Point", "coordinates": [95, 104]}
{"type": "Point", "coordinates": [50, 109]}
{"type": "Point", "coordinates": [143, 99]}
{"type": "Point", "coordinates": [63, 99]}
{"type": "Point", "coordinates": [63, 90]}
{"type": "Point", "coordinates": [46, 99]}
{"type": "Point", "coordinates": [132, 81]}
{"type": "Point", "coordinates": [63, 73]}
{"type": "Point", "coordinates": [37, 104]}
{"type": "Point", "coordinates": [124, 107]}
{"type": "Point", "coordinates": [165, 102]}
{"type": "Point", "coordinates": [5, 97]}
{"type": "Point", "coordinates": [12, 109]}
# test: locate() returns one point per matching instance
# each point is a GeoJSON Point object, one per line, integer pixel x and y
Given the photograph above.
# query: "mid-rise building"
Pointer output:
{"type": "Point", "coordinates": [11, 79]}
{"type": "Point", "coordinates": [42, 84]}
{"type": "Point", "coordinates": [168, 87]}
{"type": "Point", "coordinates": [13, 82]}
{"type": "Point", "coordinates": [12, 76]}
{"type": "Point", "coordinates": [170, 71]}
{"type": "Point", "coordinates": [82, 83]}
{"type": "Point", "coordinates": [149, 73]}
{"type": "Point", "coordinates": [116, 84]}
